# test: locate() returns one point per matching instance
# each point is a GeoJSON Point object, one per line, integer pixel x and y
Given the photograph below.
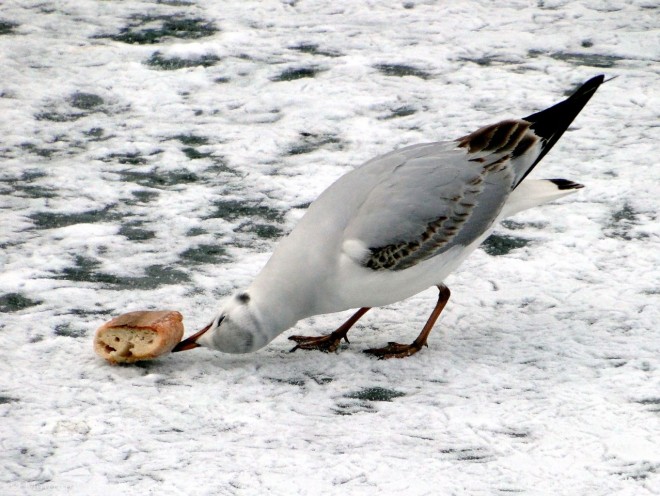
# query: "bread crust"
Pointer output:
{"type": "Point", "coordinates": [136, 336]}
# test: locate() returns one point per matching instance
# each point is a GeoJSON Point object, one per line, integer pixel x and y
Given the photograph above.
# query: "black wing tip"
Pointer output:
{"type": "Point", "coordinates": [586, 91]}
{"type": "Point", "coordinates": [563, 113]}
{"type": "Point", "coordinates": [551, 123]}
{"type": "Point", "coordinates": [591, 85]}
{"type": "Point", "coordinates": [563, 184]}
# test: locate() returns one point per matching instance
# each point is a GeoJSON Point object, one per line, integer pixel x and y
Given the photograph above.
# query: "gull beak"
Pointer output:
{"type": "Point", "coordinates": [191, 342]}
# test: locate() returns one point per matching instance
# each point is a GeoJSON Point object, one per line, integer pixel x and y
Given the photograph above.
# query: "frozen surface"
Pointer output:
{"type": "Point", "coordinates": [152, 153]}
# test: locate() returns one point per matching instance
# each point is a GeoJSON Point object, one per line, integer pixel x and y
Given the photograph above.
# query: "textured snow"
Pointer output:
{"type": "Point", "coordinates": [152, 153]}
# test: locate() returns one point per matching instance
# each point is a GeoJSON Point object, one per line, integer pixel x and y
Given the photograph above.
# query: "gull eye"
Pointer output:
{"type": "Point", "coordinates": [243, 298]}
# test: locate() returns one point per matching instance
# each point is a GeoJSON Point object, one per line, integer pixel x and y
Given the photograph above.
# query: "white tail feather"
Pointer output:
{"type": "Point", "coordinates": [534, 192]}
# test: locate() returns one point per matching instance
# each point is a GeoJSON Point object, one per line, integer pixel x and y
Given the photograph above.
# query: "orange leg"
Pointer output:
{"type": "Point", "coordinates": [396, 350]}
{"type": "Point", "coordinates": [331, 341]}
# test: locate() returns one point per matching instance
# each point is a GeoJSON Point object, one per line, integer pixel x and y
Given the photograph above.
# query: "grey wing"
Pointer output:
{"type": "Point", "coordinates": [426, 199]}
{"type": "Point", "coordinates": [430, 198]}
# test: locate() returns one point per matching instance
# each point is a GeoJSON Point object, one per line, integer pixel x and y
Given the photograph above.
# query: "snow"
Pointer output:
{"type": "Point", "coordinates": [153, 153]}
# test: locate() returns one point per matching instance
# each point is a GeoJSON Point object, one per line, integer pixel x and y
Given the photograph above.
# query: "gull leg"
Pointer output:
{"type": "Point", "coordinates": [331, 341]}
{"type": "Point", "coordinates": [396, 350]}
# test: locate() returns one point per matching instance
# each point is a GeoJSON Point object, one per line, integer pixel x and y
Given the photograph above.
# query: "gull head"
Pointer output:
{"type": "Point", "coordinates": [235, 329]}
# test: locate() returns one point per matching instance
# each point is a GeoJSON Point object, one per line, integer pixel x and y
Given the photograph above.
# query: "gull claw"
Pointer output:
{"type": "Point", "coordinates": [395, 350]}
{"type": "Point", "coordinates": [326, 344]}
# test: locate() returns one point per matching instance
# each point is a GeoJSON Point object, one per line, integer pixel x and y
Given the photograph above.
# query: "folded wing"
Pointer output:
{"type": "Point", "coordinates": [429, 198]}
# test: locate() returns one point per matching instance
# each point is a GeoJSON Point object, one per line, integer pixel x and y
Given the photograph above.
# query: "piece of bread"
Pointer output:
{"type": "Point", "coordinates": [136, 336]}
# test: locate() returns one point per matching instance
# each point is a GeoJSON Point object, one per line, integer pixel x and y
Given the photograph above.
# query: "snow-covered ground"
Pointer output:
{"type": "Point", "coordinates": [152, 153]}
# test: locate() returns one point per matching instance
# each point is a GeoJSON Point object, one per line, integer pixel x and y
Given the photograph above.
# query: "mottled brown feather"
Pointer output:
{"type": "Point", "coordinates": [438, 232]}
{"type": "Point", "coordinates": [496, 138]}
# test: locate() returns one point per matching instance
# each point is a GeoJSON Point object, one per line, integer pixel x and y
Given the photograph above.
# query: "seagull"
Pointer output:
{"type": "Point", "coordinates": [393, 227]}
